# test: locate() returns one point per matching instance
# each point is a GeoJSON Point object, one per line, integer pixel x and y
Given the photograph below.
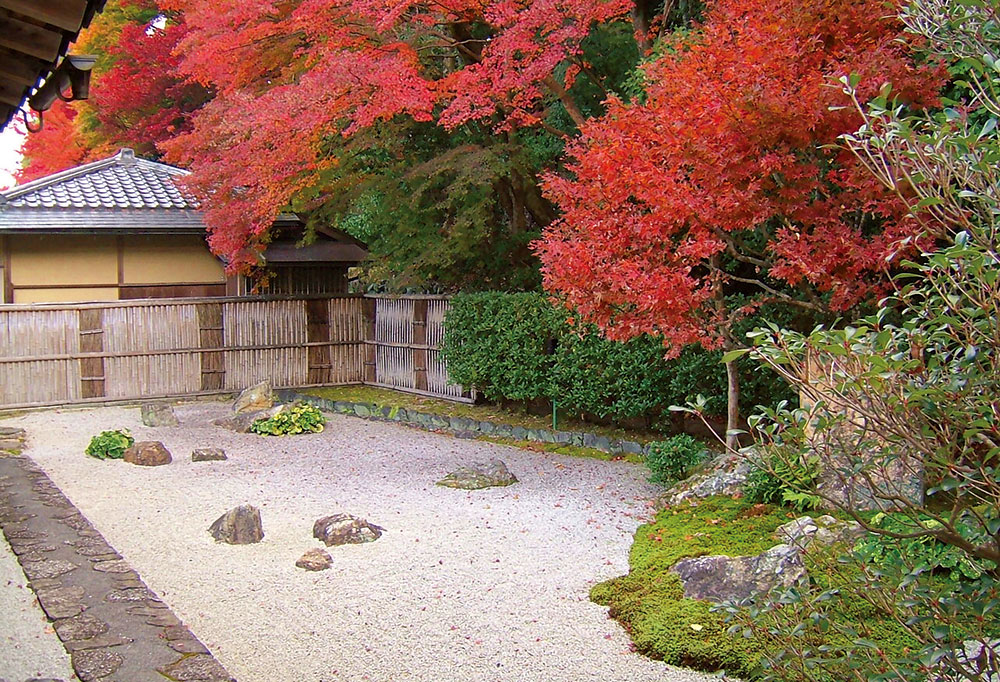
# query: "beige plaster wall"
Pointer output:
{"type": "Point", "coordinates": [63, 259]}
{"type": "Point", "coordinates": [69, 295]}
{"type": "Point", "coordinates": [170, 259]}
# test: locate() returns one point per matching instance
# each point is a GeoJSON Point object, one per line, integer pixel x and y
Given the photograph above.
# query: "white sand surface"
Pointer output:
{"type": "Point", "coordinates": [488, 585]}
{"type": "Point", "coordinates": [29, 647]}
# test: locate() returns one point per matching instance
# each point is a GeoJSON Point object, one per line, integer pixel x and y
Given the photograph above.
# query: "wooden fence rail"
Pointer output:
{"type": "Point", "coordinates": [69, 353]}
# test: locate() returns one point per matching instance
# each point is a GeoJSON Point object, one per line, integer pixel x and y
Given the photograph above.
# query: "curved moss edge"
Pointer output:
{"type": "Point", "coordinates": [649, 601]}
{"type": "Point", "coordinates": [473, 428]}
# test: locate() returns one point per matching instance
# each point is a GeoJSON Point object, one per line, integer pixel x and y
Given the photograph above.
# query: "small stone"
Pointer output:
{"type": "Point", "coordinates": [208, 455]}
{"type": "Point", "coordinates": [188, 646]}
{"type": "Point", "coordinates": [47, 568]}
{"type": "Point", "coordinates": [315, 560]}
{"type": "Point", "coordinates": [824, 530]}
{"type": "Point", "coordinates": [93, 664]}
{"type": "Point", "coordinates": [259, 397]}
{"type": "Point", "coordinates": [158, 414]}
{"type": "Point", "coordinates": [163, 619]}
{"type": "Point", "coordinates": [493, 473]}
{"type": "Point", "coordinates": [343, 529]}
{"type": "Point", "coordinates": [149, 453]}
{"type": "Point", "coordinates": [61, 602]}
{"type": "Point", "coordinates": [117, 566]}
{"type": "Point", "coordinates": [83, 626]}
{"type": "Point", "coordinates": [136, 594]}
{"type": "Point", "coordinates": [194, 668]}
{"type": "Point", "coordinates": [238, 526]}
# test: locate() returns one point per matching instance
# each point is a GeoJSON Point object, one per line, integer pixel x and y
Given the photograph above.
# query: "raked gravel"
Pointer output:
{"type": "Point", "coordinates": [463, 586]}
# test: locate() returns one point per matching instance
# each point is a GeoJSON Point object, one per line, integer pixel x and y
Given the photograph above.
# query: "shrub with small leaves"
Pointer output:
{"type": "Point", "coordinates": [787, 480]}
{"type": "Point", "coordinates": [670, 460]}
{"type": "Point", "coordinates": [110, 444]}
{"type": "Point", "coordinates": [299, 418]}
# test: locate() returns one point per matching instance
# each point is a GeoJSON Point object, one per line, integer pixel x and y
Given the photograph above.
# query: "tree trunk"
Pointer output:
{"type": "Point", "coordinates": [732, 405]}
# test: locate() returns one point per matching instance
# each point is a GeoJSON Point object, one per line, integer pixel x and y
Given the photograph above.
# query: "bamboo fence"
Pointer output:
{"type": "Point", "coordinates": [79, 353]}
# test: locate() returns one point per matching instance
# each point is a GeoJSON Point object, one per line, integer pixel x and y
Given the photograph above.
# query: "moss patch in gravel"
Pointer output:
{"type": "Point", "coordinates": [562, 449]}
{"type": "Point", "coordinates": [649, 602]}
{"type": "Point", "coordinates": [384, 397]}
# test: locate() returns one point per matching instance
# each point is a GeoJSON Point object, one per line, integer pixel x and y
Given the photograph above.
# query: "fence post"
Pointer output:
{"type": "Point", "coordinates": [211, 334]}
{"type": "Point", "coordinates": [369, 311]}
{"type": "Point", "coordinates": [91, 341]}
{"type": "Point", "coordinates": [318, 331]}
{"type": "Point", "coordinates": [420, 339]}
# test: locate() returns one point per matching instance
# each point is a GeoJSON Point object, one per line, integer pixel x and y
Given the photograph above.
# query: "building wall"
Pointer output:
{"type": "Point", "coordinates": [77, 268]}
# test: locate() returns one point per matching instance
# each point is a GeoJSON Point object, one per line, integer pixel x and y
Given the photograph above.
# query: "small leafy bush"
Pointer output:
{"type": "Point", "coordinates": [299, 418]}
{"type": "Point", "coordinates": [669, 460]}
{"type": "Point", "coordinates": [110, 444]}
{"type": "Point", "coordinates": [787, 480]}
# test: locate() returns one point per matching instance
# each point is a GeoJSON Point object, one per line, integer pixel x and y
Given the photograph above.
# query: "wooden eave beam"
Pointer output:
{"type": "Point", "coordinates": [30, 39]}
{"type": "Point", "coordinates": [66, 14]}
{"type": "Point", "coordinates": [11, 94]}
{"type": "Point", "coordinates": [19, 68]}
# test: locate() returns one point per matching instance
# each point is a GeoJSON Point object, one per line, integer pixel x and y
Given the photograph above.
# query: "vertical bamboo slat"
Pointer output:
{"type": "Point", "coordinates": [151, 327]}
{"type": "Point", "coordinates": [264, 323]}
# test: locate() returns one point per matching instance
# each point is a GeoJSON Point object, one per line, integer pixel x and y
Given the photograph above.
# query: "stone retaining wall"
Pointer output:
{"type": "Point", "coordinates": [465, 426]}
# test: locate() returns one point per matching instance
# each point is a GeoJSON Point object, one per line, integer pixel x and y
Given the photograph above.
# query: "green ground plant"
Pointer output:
{"type": "Point", "coordinates": [110, 444]}
{"type": "Point", "coordinates": [299, 418]}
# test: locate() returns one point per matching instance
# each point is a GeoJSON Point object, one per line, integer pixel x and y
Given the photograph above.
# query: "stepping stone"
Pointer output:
{"type": "Point", "coordinates": [208, 455]}
{"type": "Point", "coordinates": [158, 414]}
{"type": "Point", "coordinates": [238, 526]}
{"type": "Point", "coordinates": [94, 664]}
{"type": "Point", "coordinates": [493, 473]}
{"type": "Point", "coordinates": [195, 667]}
{"type": "Point", "coordinates": [344, 529]}
{"type": "Point", "coordinates": [61, 602]}
{"type": "Point", "coordinates": [83, 626]}
{"type": "Point", "coordinates": [315, 560]}
{"type": "Point", "coordinates": [149, 453]}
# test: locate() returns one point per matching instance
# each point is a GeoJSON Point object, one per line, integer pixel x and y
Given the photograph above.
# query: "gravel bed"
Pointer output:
{"type": "Point", "coordinates": [486, 585]}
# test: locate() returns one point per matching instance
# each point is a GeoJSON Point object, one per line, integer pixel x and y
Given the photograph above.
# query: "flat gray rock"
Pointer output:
{"type": "Point", "coordinates": [721, 578]}
{"type": "Point", "coordinates": [493, 473]}
{"type": "Point", "coordinates": [823, 530]}
{"type": "Point", "coordinates": [344, 529]}
{"type": "Point", "coordinates": [157, 414]}
{"type": "Point", "coordinates": [238, 526]}
{"type": "Point", "coordinates": [208, 455]}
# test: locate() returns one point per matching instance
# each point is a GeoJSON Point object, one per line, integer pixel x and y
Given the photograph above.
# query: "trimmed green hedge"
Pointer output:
{"type": "Point", "coordinates": [521, 347]}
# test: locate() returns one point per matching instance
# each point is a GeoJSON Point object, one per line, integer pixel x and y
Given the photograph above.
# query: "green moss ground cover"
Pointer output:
{"type": "Point", "coordinates": [649, 602]}
{"type": "Point", "coordinates": [388, 398]}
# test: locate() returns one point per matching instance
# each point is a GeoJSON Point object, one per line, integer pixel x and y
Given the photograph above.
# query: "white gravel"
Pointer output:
{"type": "Point", "coordinates": [484, 585]}
{"type": "Point", "coordinates": [29, 647]}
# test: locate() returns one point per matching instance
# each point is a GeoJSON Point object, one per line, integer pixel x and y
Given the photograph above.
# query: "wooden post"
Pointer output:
{"type": "Point", "coordinates": [211, 325]}
{"type": "Point", "coordinates": [91, 322]}
{"type": "Point", "coordinates": [369, 308]}
{"type": "Point", "coordinates": [7, 283]}
{"type": "Point", "coordinates": [420, 339]}
{"type": "Point", "coordinates": [318, 331]}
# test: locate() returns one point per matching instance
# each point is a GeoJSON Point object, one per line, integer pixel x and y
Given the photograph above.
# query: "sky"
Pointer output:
{"type": "Point", "coordinates": [10, 154]}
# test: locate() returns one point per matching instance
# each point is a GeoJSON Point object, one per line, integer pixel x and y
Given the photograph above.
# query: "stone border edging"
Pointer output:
{"type": "Point", "coordinates": [110, 623]}
{"type": "Point", "coordinates": [464, 426]}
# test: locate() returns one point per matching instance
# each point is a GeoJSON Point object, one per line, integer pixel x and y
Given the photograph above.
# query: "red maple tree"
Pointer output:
{"type": "Point", "coordinates": [56, 147]}
{"type": "Point", "coordinates": [726, 181]}
{"type": "Point", "coordinates": [292, 77]}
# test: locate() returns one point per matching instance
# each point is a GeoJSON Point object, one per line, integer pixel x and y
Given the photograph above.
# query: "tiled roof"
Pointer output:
{"type": "Point", "coordinates": [119, 182]}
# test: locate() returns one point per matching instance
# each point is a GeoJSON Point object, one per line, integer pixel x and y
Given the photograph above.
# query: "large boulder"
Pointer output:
{"type": "Point", "coordinates": [724, 475]}
{"type": "Point", "coordinates": [238, 526]}
{"type": "Point", "coordinates": [806, 531]}
{"type": "Point", "coordinates": [723, 578]}
{"type": "Point", "coordinates": [872, 483]}
{"type": "Point", "coordinates": [242, 422]}
{"type": "Point", "coordinates": [157, 414]}
{"type": "Point", "coordinates": [148, 453]}
{"type": "Point", "coordinates": [344, 529]}
{"type": "Point", "coordinates": [259, 397]}
{"type": "Point", "coordinates": [479, 475]}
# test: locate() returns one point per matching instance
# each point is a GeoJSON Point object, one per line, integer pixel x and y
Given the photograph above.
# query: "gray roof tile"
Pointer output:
{"type": "Point", "coordinates": [119, 182]}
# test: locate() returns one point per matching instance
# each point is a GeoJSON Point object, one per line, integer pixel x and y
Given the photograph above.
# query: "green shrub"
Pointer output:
{"type": "Point", "coordinates": [299, 418]}
{"type": "Point", "coordinates": [783, 479]}
{"type": "Point", "coordinates": [669, 460]}
{"type": "Point", "coordinates": [500, 344]}
{"type": "Point", "coordinates": [110, 444]}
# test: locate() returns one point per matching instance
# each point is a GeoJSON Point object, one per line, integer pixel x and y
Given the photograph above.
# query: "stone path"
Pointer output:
{"type": "Point", "coordinates": [113, 626]}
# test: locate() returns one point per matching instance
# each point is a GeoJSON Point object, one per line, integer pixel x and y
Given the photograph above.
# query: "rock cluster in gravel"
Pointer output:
{"type": "Point", "coordinates": [148, 453]}
{"type": "Point", "coordinates": [238, 526]}
{"type": "Point", "coordinates": [157, 414]}
{"type": "Point", "coordinates": [493, 473]}
{"type": "Point", "coordinates": [344, 529]}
